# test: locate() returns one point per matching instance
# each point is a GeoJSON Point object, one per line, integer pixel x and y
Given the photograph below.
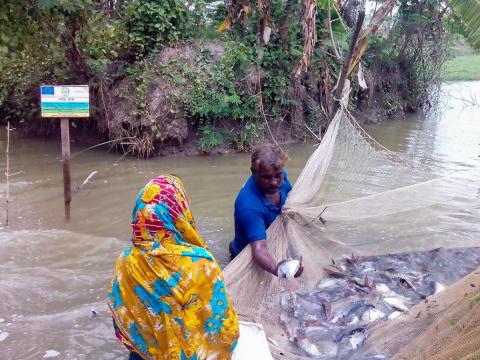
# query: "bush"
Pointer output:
{"type": "Point", "coordinates": [151, 24]}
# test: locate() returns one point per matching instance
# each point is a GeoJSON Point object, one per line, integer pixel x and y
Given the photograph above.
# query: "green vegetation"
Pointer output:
{"type": "Point", "coordinates": [465, 67]}
{"type": "Point", "coordinates": [467, 22]}
{"type": "Point", "coordinates": [223, 74]}
{"type": "Point", "coordinates": [464, 64]}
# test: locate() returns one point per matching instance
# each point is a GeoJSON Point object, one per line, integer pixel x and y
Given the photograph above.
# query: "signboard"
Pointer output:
{"type": "Point", "coordinates": [65, 101]}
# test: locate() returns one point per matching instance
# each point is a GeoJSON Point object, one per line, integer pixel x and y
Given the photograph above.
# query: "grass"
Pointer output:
{"type": "Point", "coordinates": [465, 64]}
{"type": "Point", "coordinates": [463, 67]}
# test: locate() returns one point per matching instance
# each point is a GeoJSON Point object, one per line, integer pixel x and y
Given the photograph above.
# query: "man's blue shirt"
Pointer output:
{"type": "Point", "coordinates": [254, 214]}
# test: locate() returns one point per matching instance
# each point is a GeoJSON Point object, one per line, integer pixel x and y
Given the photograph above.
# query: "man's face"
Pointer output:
{"type": "Point", "coordinates": [268, 181]}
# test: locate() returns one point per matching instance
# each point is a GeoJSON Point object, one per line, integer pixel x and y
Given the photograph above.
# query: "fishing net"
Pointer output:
{"type": "Point", "coordinates": [447, 326]}
{"type": "Point", "coordinates": [355, 196]}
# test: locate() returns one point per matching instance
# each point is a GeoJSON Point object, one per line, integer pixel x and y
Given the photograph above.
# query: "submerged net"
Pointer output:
{"type": "Point", "coordinates": [373, 202]}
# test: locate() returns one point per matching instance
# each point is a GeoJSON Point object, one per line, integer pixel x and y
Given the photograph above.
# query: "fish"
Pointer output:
{"type": "Point", "coordinates": [328, 282]}
{"type": "Point", "coordinates": [383, 307]}
{"type": "Point", "coordinates": [427, 288]}
{"type": "Point", "coordinates": [357, 339]}
{"type": "Point", "coordinates": [438, 287]}
{"type": "Point", "coordinates": [382, 288]}
{"type": "Point", "coordinates": [392, 298]}
{"type": "Point", "coordinates": [406, 281]}
{"type": "Point", "coordinates": [372, 314]}
{"type": "Point", "coordinates": [396, 302]}
{"type": "Point", "coordinates": [327, 349]}
{"type": "Point", "coordinates": [291, 325]}
{"type": "Point", "coordinates": [288, 269]}
{"type": "Point", "coordinates": [309, 310]}
{"type": "Point", "coordinates": [329, 295]}
{"type": "Point", "coordinates": [365, 267]}
{"type": "Point", "coordinates": [360, 291]}
{"type": "Point", "coordinates": [338, 310]}
{"type": "Point", "coordinates": [351, 261]}
{"type": "Point", "coordinates": [358, 310]}
{"type": "Point", "coordinates": [335, 272]}
{"type": "Point", "coordinates": [92, 314]}
{"type": "Point", "coordinates": [347, 331]}
{"type": "Point", "coordinates": [363, 283]}
{"type": "Point", "coordinates": [315, 330]}
{"type": "Point", "coordinates": [307, 347]}
{"type": "Point", "coordinates": [394, 315]}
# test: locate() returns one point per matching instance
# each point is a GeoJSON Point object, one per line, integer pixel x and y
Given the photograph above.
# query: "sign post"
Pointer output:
{"type": "Point", "coordinates": [67, 195]}
{"type": "Point", "coordinates": [64, 102]}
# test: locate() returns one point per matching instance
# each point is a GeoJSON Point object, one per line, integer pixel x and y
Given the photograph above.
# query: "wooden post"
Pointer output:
{"type": "Point", "coordinates": [7, 172]}
{"type": "Point", "coordinates": [65, 101]}
{"type": "Point", "coordinates": [67, 195]}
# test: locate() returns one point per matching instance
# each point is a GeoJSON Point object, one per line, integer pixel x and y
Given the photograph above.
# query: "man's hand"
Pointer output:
{"type": "Point", "coordinates": [263, 258]}
{"type": "Point", "coordinates": [290, 284]}
{"type": "Point", "coordinates": [300, 268]}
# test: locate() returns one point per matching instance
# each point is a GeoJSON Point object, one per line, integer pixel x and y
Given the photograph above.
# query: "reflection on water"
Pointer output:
{"type": "Point", "coordinates": [55, 275]}
{"type": "Point", "coordinates": [449, 138]}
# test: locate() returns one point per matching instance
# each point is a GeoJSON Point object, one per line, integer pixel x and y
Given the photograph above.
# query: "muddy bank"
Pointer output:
{"type": "Point", "coordinates": [198, 98]}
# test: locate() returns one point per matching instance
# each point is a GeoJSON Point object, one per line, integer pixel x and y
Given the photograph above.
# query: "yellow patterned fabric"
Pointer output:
{"type": "Point", "coordinates": [168, 296]}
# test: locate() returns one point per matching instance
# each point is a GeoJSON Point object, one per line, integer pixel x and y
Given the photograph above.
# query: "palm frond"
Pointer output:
{"type": "Point", "coordinates": [468, 12]}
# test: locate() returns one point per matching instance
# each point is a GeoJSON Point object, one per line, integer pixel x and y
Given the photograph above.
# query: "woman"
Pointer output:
{"type": "Point", "coordinates": [168, 298]}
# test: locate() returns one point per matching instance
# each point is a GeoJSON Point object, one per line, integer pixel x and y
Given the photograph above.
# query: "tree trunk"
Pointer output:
{"type": "Point", "coordinates": [370, 30]}
{"type": "Point", "coordinates": [283, 26]}
{"type": "Point", "coordinates": [80, 69]}
{"type": "Point", "coordinates": [337, 97]}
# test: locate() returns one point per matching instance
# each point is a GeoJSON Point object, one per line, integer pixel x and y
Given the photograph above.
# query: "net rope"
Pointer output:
{"type": "Point", "coordinates": [374, 202]}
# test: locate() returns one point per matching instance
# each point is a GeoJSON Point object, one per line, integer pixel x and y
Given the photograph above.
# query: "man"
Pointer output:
{"type": "Point", "coordinates": [258, 203]}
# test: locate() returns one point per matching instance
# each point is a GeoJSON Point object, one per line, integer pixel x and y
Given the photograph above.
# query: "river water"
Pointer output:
{"type": "Point", "coordinates": [54, 276]}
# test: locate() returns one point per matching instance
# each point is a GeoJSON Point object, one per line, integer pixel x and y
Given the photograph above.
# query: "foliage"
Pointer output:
{"type": "Point", "coordinates": [210, 138]}
{"type": "Point", "coordinates": [467, 19]}
{"type": "Point", "coordinates": [212, 93]}
{"type": "Point", "coordinates": [151, 24]}
{"type": "Point", "coordinates": [52, 42]}
{"type": "Point", "coordinates": [407, 60]}
{"type": "Point", "coordinates": [247, 136]}
{"type": "Point", "coordinates": [21, 73]}
{"type": "Point", "coordinates": [139, 75]}
{"type": "Point", "coordinates": [461, 68]}
{"type": "Point", "coordinates": [104, 41]}
{"type": "Point", "coordinates": [237, 82]}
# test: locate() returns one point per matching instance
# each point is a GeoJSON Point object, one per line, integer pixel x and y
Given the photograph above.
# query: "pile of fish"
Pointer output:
{"type": "Point", "coordinates": [332, 320]}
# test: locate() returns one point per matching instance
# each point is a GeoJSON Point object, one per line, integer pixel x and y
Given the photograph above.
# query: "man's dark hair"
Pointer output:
{"type": "Point", "coordinates": [266, 157]}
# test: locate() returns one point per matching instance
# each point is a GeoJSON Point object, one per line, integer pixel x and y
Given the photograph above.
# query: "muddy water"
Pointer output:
{"type": "Point", "coordinates": [54, 276]}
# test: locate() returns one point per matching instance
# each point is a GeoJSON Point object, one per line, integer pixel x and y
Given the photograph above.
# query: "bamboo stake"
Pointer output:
{"type": "Point", "coordinates": [7, 172]}
{"type": "Point", "coordinates": [8, 175]}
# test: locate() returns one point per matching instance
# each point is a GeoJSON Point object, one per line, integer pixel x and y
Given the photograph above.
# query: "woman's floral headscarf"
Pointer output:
{"type": "Point", "coordinates": [168, 298]}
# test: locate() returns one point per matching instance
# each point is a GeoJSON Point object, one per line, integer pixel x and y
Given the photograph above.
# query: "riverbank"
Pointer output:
{"type": "Point", "coordinates": [57, 273]}
{"type": "Point", "coordinates": [462, 68]}
{"type": "Point", "coordinates": [464, 65]}
{"type": "Point", "coordinates": [172, 105]}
